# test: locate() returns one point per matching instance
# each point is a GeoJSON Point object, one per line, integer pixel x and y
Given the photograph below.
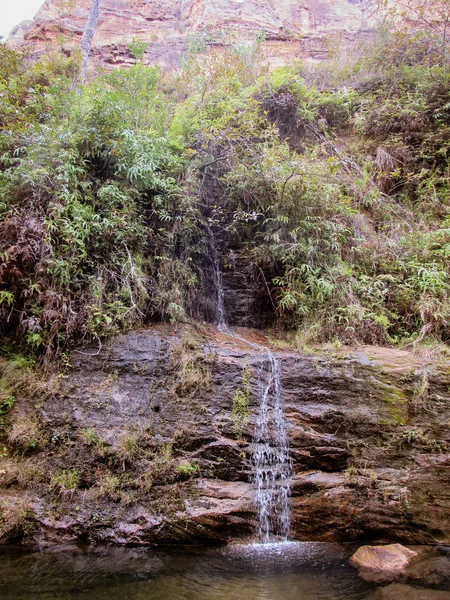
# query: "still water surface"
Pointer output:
{"type": "Point", "coordinates": [259, 572]}
{"type": "Point", "coordinates": [300, 571]}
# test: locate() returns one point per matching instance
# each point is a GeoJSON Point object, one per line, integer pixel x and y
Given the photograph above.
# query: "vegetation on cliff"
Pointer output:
{"type": "Point", "coordinates": [119, 199]}
{"type": "Point", "coordinates": [332, 182]}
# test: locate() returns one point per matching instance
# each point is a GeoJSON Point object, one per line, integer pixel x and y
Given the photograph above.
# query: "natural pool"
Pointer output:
{"type": "Point", "coordinates": [290, 571]}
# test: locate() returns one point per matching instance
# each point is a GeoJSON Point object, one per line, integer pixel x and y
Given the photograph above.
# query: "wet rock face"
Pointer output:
{"type": "Point", "coordinates": [143, 444]}
{"type": "Point", "coordinates": [293, 31]}
{"type": "Point", "coordinates": [247, 298]}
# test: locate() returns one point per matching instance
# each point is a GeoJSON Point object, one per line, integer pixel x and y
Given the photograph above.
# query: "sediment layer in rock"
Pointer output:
{"type": "Point", "coordinates": [146, 427]}
{"type": "Point", "coordinates": [292, 30]}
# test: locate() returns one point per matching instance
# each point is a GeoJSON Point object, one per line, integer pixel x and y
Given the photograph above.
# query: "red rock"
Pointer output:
{"type": "Point", "coordinates": [292, 30]}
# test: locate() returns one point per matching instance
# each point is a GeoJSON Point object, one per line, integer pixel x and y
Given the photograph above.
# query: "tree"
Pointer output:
{"type": "Point", "coordinates": [430, 16]}
{"type": "Point", "coordinates": [88, 35]}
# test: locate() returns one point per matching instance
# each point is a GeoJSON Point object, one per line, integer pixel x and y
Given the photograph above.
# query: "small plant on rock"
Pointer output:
{"type": "Point", "coordinates": [65, 480]}
{"type": "Point", "coordinates": [90, 437]}
{"type": "Point", "coordinates": [191, 367]}
{"type": "Point", "coordinates": [108, 486]}
{"type": "Point", "coordinates": [128, 447]}
{"type": "Point", "coordinates": [187, 469]}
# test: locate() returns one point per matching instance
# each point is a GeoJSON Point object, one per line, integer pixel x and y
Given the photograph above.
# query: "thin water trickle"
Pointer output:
{"type": "Point", "coordinates": [272, 465]}
{"type": "Point", "coordinates": [221, 317]}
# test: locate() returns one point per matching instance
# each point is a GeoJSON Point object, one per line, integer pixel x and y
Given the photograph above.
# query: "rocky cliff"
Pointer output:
{"type": "Point", "coordinates": [143, 442]}
{"type": "Point", "coordinates": [292, 29]}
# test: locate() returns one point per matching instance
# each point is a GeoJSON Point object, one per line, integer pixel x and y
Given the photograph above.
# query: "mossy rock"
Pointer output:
{"type": "Point", "coordinates": [394, 410]}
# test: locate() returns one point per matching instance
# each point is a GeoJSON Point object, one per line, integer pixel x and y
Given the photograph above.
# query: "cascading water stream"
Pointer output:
{"type": "Point", "coordinates": [271, 461]}
{"type": "Point", "coordinates": [272, 465]}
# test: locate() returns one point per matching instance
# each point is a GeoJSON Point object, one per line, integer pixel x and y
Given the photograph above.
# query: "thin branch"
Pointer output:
{"type": "Point", "coordinates": [95, 353]}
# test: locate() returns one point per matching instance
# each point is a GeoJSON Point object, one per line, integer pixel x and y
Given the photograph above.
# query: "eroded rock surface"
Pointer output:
{"type": "Point", "coordinates": [140, 445]}
{"type": "Point", "coordinates": [293, 30]}
{"type": "Point", "coordinates": [424, 565]}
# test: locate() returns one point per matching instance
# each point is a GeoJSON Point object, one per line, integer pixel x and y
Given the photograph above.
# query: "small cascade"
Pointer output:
{"type": "Point", "coordinates": [272, 465]}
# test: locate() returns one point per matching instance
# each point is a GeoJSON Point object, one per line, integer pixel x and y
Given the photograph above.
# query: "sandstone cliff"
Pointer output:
{"type": "Point", "coordinates": [292, 29]}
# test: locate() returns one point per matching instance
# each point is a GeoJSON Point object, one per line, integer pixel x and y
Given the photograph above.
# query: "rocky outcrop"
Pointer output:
{"type": "Point", "coordinates": [390, 560]}
{"type": "Point", "coordinates": [292, 30]}
{"type": "Point", "coordinates": [142, 444]}
{"type": "Point", "coordinates": [420, 565]}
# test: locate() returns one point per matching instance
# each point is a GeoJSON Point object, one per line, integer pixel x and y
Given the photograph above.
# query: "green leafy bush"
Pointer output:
{"type": "Point", "coordinates": [332, 184]}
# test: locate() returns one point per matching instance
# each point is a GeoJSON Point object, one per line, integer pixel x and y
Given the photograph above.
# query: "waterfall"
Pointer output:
{"type": "Point", "coordinates": [272, 465]}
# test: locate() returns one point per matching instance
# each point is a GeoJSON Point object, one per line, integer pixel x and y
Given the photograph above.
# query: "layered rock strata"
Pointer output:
{"type": "Point", "coordinates": [291, 29]}
{"type": "Point", "coordinates": [144, 443]}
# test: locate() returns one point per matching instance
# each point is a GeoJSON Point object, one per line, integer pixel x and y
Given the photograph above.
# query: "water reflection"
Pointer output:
{"type": "Point", "coordinates": [289, 571]}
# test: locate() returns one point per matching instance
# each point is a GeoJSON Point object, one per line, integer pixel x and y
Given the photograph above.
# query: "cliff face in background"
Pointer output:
{"type": "Point", "coordinates": [292, 29]}
{"type": "Point", "coordinates": [139, 444]}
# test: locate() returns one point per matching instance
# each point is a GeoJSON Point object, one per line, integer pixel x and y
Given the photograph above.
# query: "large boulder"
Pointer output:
{"type": "Point", "coordinates": [424, 565]}
{"type": "Point", "coordinates": [388, 561]}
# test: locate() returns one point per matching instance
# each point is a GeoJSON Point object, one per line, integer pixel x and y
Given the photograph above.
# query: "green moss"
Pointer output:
{"type": "Point", "coordinates": [187, 469]}
{"type": "Point", "coordinates": [395, 407]}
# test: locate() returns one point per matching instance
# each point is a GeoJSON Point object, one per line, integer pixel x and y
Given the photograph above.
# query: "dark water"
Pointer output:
{"type": "Point", "coordinates": [300, 571]}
